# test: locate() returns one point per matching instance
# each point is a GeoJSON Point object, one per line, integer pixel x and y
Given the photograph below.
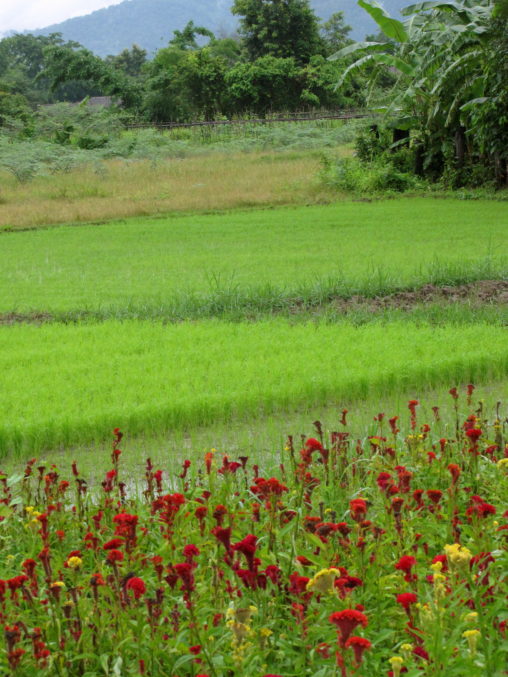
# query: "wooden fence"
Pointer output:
{"type": "Point", "coordinates": [295, 117]}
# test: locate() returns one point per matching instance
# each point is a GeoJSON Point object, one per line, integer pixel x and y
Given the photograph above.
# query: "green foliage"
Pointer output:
{"type": "Point", "coordinates": [335, 33]}
{"type": "Point", "coordinates": [375, 177]}
{"type": "Point", "coordinates": [129, 61]}
{"type": "Point", "coordinates": [268, 83]}
{"type": "Point", "coordinates": [279, 28]}
{"type": "Point", "coordinates": [64, 64]}
{"type": "Point", "coordinates": [14, 109]}
{"type": "Point", "coordinates": [186, 38]}
{"type": "Point", "coordinates": [452, 75]}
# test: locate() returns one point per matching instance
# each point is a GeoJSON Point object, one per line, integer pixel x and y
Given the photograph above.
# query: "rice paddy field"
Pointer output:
{"type": "Point", "coordinates": [190, 265]}
{"type": "Point", "coordinates": [369, 542]}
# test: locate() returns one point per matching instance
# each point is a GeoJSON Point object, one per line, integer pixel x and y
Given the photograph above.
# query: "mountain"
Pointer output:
{"type": "Point", "coordinates": [150, 23]}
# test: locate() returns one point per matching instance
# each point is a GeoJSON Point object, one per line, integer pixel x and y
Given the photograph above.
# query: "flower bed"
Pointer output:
{"type": "Point", "coordinates": [375, 556]}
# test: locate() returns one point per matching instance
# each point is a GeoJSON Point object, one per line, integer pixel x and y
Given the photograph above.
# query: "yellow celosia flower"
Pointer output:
{"type": "Point", "coordinates": [74, 562]}
{"type": "Point", "coordinates": [503, 465]}
{"type": "Point", "coordinates": [396, 663]}
{"type": "Point", "coordinates": [471, 617]}
{"type": "Point", "coordinates": [241, 615]}
{"type": "Point", "coordinates": [436, 567]}
{"type": "Point", "coordinates": [406, 650]}
{"type": "Point", "coordinates": [265, 632]}
{"type": "Point", "coordinates": [323, 581]}
{"type": "Point", "coordinates": [472, 637]}
{"type": "Point", "coordinates": [457, 554]}
{"type": "Point", "coordinates": [58, 584]}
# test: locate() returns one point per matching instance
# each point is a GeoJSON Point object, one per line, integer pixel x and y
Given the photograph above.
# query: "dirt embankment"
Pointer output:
{"type": "Point", "coordinates": [485, 292]}
{"type": "Point", "coordinates": [476, 294]}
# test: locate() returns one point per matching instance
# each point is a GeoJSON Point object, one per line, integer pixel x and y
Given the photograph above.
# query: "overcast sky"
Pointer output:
{"type": "Point", "coordinates": [19, 15]}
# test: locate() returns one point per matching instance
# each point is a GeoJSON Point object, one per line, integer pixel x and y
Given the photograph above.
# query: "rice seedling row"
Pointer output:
{"type": "Point", "coordinates": [379, 555]}
{"type": "Point", "coordinates": [66, 384]}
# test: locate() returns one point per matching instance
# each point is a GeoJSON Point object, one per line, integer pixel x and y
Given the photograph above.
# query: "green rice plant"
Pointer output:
{"type": "Point", "coordinates": [254, 260]}
{"type": "Point", "coordinates": [63, 385]}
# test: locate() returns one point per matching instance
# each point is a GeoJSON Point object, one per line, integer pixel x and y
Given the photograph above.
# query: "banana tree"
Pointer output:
{"type": "Point", "coordinates": [440, 53]}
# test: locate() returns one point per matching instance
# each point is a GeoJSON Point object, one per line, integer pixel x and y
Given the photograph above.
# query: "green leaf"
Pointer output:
{"type": "Point", "coordinates": [392, 28]}
{"type": "Point", "coordinates": [358, 47]}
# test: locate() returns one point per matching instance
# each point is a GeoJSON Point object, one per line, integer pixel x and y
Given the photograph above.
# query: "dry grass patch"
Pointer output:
{"type": "Point", "coordinates": [136, 188]}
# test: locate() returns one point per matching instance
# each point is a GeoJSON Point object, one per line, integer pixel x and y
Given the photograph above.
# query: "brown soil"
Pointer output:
{"type": "Point", "coordinates": [17, 318]}
{"type": "Point", "coordinates": [475, 293]}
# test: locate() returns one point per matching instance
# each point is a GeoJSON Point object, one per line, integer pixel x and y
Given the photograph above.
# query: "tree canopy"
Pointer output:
{"type": "Point", "coordinates": [279, 28]}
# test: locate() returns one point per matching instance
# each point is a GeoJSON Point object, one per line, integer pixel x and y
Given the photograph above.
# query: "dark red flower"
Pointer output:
{"type": "Point", "coordinates": [247, 547]}
{"type": "Point", "coordinates": [113, 544]}
{"type": "Point", "coordinates": [358, 509]}
{"type": "Point", "coordinates": [114, 556]}
{"type": "Point", "coordinates": [435, 495]}
{"type": "Point", "coordinates": [137, 585]}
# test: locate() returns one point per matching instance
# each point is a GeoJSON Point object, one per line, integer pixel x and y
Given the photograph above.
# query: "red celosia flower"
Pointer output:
{"type": "Point", "coordinates": [298, 584]}
{"type": "Point", "coordinates": [268, 488]}
{"type": "Point", "coordinates": [137, 585]}
{"type": "Point", "coordinates": [453, 392]}
{"type": "Point", "coordinates": [247, 547]}
{"type": "Point", "coordinates": [313, 444]}
{"type": "Point", "coordinates": [345, 584]}
{"type": "Point", "coordinates": [346, 621]}
{"type": "Point", "coordinates": [359, 645]}
{"type": "Point", "coordinates": [384, 480]}
{"type": "Point", "coordinates": [184, 572]}
{"type": "Point", "coordinates": [405, 599]}
{"type": "Point", "coordinates": [420, 651]}
{"type": "Point", "coordinates": [208, 461]}
{"type": "Point", "coordinates": [223, 534]}
{"type": "Point", "coordinates": [219, 513]}
{"type": "Point", "coordinates": [113, 544]}
{"type": "Point", "coordinates": [97, 579]}
{"type": "Point", "coordinates": [358, 509]}
{"type": "Point", "coordinates": [474, 434]}
{"type": "Point", "coordinates": [405, 564]}
{"type": "Point", "coordinates": [114, 556]}
{"type": "Point", "coordinates": [435, 495]}
{"type": "Point", "coordinates": [195, 650]}
{"type": "Point", "coordinates": [14, 584]}
{"type": "Point", "coordinates": [190, 551]}
{"type": "Point", "coordinates": [28, 566]}
{"type": "Point", "coordinates": [481, 509]}
{"type": "Point", "coordinates": [454, 471]}
{"type": "Point", "coordinates": [412, 404]}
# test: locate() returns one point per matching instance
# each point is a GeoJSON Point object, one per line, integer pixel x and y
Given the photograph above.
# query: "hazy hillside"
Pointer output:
{"type": "Point", "coordinates": [150, 23]}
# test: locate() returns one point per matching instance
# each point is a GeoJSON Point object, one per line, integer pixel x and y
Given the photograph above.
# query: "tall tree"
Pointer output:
{"type": "Point", "coordinates": [186, 38]}
{"type": "Point", "coordinates": [335, 33]}
{"type": "Point", "coordinates": [280, 28]}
